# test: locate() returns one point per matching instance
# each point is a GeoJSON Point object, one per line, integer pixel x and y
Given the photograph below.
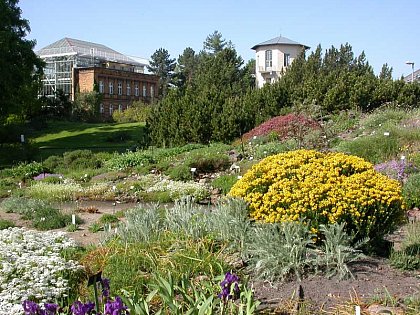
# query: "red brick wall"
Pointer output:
{"type": "Point", "coordinates": [87, 77]}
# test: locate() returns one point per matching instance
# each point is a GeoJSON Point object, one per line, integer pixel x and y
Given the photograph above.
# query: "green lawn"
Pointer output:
{"type": "Point", "coordinates": [62, 136]}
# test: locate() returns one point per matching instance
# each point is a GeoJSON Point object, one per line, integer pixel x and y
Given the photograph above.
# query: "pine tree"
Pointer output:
{"type": "Point", "coordinates": [163, 66]}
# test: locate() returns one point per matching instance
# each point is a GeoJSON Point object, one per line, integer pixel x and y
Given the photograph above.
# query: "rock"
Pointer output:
{"type": "Point", "coordinates": [376, 309]}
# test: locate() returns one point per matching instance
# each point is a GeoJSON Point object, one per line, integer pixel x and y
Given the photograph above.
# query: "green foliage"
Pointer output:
{"type": "Point", "coordinates": [108, 219]}
{"type": "Point", "coordinates": [180, 172]}
{"type": "Point", "coordinates": [163, 66]}
{"type": "Point", "coordinates": [5, 224]}
{"type": "Point", "coordinates": [224, 183]}
{"type": "Point", "coordinates": [27, 170]}
{"type": "Point", "coordinates": [86, 106]}
{"type": "Point", "coordinates": [20, 67]}
{"type": "Point", "coordinates": [137, 112]}
{"type": "Point", "coordinates": [80, 159]}
{"type": "Point", "coordinates": [189, 297]}
{"type": "Point", "coordinates": [375, 148]}
{"type": "Point", "coordinates": [23, 206]}
{"type": "Point", "coordinates": [207, 108]}
{"type": "Point", "coordinates": [411, 191]}
{"type": "Point", "coordinates": [42, 214]}
{"type": "Point", "coordinates": [95, 227]}
{"type": "Point", "coordinates": [72, 228]}
{"type": "Point", "coordinates": [408, 256]}
{"type": "Point", "coordinates": [146, 157]}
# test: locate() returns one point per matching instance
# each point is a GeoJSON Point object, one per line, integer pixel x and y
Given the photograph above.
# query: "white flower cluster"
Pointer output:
{"type": "Point", "coordinates": [31, 267]}
{"type": "Point", "coordinates": [178, 189]}
{"type": "Point", "coordinates": [56, 192]}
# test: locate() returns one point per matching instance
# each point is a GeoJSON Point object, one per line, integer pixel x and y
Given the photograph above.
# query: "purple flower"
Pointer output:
{"type": "Point", "coordinates": [115, 307]}
{"type": "Point", "coordinates": [50, 308]}
{"type": "Point", "coordinates": [30, 307]}
{"type": "Point", "coordinates": [230, 287]}
{"type": "Point", "coordinates": [105, 288]}
{"type": "Point", "coordinates": [79, 308]}
{"type": "Point", "coordinates": [395, 169]}
{"type": "Point", "coordinates": [45, 175]}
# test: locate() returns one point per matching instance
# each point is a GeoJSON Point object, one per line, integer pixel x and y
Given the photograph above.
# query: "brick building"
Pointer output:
{"type": "Point", "coordinates": [77, 66]}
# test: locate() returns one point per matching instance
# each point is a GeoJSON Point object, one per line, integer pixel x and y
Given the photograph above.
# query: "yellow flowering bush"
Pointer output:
{"type": "Point", "coordinates": [322, 188]}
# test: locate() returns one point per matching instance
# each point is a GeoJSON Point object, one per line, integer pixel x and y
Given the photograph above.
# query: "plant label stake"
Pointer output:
{"type": "Point", "coordinates": [357, 308]}
{"type": "Point", "coordinates": [73, 219]}
{"type": "Point", "coordinates": [92, 281]}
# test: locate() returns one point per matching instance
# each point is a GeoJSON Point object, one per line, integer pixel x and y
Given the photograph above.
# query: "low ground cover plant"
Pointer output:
{"type": "Point", "coordinates": [33, 268]}
{"type": "Point", "coordinates": [408, 256]}
{"type": "Point", "coordinates": [320, 189]}
{"type": "Point", "coordinates": [43, 215]}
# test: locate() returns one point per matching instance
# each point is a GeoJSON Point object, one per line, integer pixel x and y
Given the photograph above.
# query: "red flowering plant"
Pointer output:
{"type": "Point", "coordinates": [290, 126]}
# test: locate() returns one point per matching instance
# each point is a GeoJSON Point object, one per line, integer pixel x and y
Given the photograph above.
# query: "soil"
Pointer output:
{"type": "Point", "coordinates": [373, 277]}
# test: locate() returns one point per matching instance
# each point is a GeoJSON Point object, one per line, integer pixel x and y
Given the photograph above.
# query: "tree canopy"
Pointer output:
{"type": "Point", "coordinates": [162, 65]}
{"type": "Point", "coordinates": [20, 67]}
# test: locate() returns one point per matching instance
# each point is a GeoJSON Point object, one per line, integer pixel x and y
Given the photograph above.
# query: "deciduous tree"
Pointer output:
{"type": "Point", "coordinates": [20, 67]}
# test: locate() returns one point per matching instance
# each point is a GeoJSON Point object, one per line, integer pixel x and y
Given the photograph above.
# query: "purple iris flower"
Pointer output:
{"type": "Point", "coordinates": [105, 288]}
{"type": "Point", "coordinates": [50, 308]}
{"type": "Point", "coordinates": [230, 287]}
{"type": "Point", "coordinates": [79, 308]}
{"type": "Point", "coordinates": [30, 307]}
{"type": "Point", "coordinates": [115, 307]}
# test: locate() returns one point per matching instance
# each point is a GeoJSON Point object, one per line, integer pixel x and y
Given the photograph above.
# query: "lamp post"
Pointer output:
{"type": "Point", "coordinates": [412, 68]}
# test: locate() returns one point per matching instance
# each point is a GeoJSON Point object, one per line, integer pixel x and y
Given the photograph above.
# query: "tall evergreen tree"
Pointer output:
{"type": "Point", "coordinates": [215, 43]}
{"type": "Point", "coordinates": [185, 68]}
{"type": "Point", "coordinates": [20, 68]}
{"type": "Point", "coordinates": [163, 66]}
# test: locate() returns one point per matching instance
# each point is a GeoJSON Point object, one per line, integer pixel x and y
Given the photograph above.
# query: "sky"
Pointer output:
{"type": "Point", "coordinates": [388, 31]}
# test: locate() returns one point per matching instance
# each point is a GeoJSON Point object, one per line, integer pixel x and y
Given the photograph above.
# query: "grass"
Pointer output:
{"type": "Point", "coordinates": [62, 136]}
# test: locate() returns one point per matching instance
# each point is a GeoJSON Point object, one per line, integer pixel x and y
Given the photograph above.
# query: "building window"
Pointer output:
{"type": "Point", "coordinates": [119, 88]}
{"type": "Point", "coordinates": [136, 89]}
{"type": "Point", "coordinates": [101, 108]}
{"type": "Point", "coordinates": [120, 108]}
{"type": "Point", "coordinates": [128, 89]}
{"type": "Point", "coordinates": [111, 87]}
{"type": "Point", "coordinates": [101, 87]}
{"type": "Point", "coordinates": [286, 60]}
{"type": "Point", "coordinates": [144, 90]}
{"type": "Point", "coordinates": [268, 58]}
{"type": "Point", "coordinates": [152, 91]}
{"type": "Point", "coordinates": [111, 109]}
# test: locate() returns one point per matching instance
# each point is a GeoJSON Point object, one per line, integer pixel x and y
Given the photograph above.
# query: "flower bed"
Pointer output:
{"type": "Point", "coordinates": [31, 267]}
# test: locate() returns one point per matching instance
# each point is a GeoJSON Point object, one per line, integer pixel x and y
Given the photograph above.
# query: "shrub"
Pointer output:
{"type": "Point", "coordinates": [81, 159]}
{"type": "Point", "coordinates": [375, 148]}
{"type": "Point", "coordinates": [27, 170]}
{"type": "Point", "coordinates": [224, 182]}
{"type": "Point", "coordinates": [322, 189]}
{"type": "Point", "coordinates": [286, 127]}
{"type": "Point", "coordinates": [53, 163]}
{"type": "Point", "coordinates": [137, 112]}
{"type": "Point", "coordinates": [181, 173]}
{"type": "Point", "coordinates": [411, 191]}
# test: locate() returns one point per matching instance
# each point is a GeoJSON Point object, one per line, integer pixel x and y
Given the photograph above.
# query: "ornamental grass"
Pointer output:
{"type": "Point", "coordinates": [322, 188]}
